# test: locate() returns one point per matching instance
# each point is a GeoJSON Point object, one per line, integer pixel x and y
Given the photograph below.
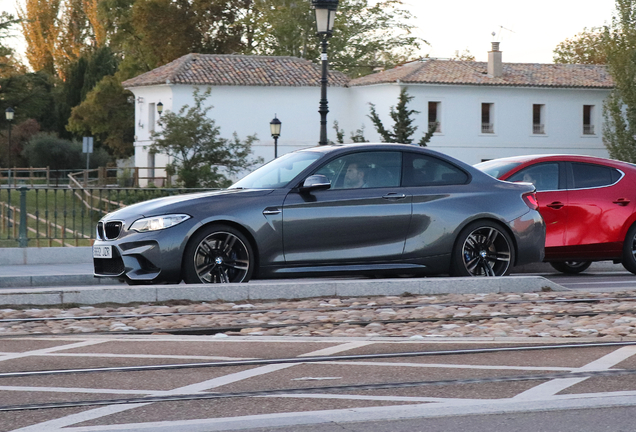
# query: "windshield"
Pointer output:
{"type": "Point", "coordinates": [279, 172]}
{"type": "Point", "coordinates": [496, 168]}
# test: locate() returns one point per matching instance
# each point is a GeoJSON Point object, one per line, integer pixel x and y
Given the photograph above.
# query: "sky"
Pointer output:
{"type": "Point", "coordinates": [528, 31]}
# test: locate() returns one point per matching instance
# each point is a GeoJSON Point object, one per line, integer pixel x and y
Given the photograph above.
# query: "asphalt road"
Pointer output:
{"type": "Point", "coordinates": [599, 277]}
{"type": "Point", "coordinates": [445, 406]}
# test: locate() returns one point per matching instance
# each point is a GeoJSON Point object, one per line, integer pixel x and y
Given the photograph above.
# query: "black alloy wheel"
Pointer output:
{"type": "Point", "coordinates": [571, 267]}
{"type": "Point", "coordinates": [218, 254]}
{"type": "Point", "coordinates": [629, 250]}
{"type": "Point", "coordinates": [483, 248]}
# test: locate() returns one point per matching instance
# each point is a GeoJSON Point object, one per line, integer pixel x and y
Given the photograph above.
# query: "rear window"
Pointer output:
{"type": "Point", "coordinates": [590, 175]}
{"type": "Point", "coordinates": [496, 168]}
{"type": "Point", "coordinates": [544, 176]}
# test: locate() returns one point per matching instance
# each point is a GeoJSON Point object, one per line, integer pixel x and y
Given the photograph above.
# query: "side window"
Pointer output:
{"type": "Point", "coordinates": [423, 170]}
{"type": "Point", "coordinates": [364, 170]}
{"type": "Point", "coordinates": [590, 175]}
{"type": "Point", "coordinates": [545, 176]}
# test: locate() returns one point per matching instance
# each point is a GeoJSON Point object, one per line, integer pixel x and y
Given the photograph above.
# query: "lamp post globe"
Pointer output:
{"type": "Point", "coordinates": [325, 18]}
{"type": "Point", "coordinates": [274, 127]}
{"type": "Point", "coordinates": [9, 113]}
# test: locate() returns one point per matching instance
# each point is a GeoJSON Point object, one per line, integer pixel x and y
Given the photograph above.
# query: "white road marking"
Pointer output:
{"type": "Point", "coordinates": [43, 351]}
{"type": "Point", "coordinates": [386, 413]}
{"type": "Point", "coordinates": [65, 422]}
{"type": "Point", "coordinates": [553, 387]}
{"type": "Point", "coordinates": [149, 356]}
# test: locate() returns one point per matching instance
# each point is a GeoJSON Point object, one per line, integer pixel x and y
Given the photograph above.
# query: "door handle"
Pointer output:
{"type": "Point", "coordinates": [394, 196]}
{"type": "Point", "coordinates": [555, 205]}
{"type": "Point", "coordinates": [622, 201]}
{"type": "Point", "coordinates": [270, 211]}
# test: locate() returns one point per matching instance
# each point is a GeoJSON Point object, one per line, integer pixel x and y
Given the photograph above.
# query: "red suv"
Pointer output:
{"type": "Point", "coordinates": [588, 204]}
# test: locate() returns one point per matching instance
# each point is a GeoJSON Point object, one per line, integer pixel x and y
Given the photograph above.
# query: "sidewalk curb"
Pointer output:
{"type": "Point", "coordinates": [273, 290]}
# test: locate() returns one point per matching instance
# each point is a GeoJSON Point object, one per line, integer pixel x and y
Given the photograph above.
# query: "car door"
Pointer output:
{"type": "Point", "coordinates": [598, 205]}
{"type": "Point", "coordinates": [361, 218]}
{"type": "Point", "coordinates": [437, 187]}
{"type": "Point", "coordinates": [550, 180]}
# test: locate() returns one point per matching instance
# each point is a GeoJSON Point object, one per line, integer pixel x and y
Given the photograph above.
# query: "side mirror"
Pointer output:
{"type": "Point", "coordinates": [315, 182]}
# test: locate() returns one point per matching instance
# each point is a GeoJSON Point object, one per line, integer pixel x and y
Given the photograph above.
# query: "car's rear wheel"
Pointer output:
{"type": "Point", "coordinates": [218, 254]}
{"type": "Point", "coordinates": [483, 248]}
{"type": "Point", "coordinates": [571, 267]}
{"type": "Point", "coordinates": [629, 250]}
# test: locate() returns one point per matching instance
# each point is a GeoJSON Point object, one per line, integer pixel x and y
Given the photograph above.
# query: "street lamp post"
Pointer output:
{"type": "Point", "coordinates": [274, 127]}
{"type": "Point", "coordinates": [9, 113]}
{"type": "Point", "coordinates": [325, 17]}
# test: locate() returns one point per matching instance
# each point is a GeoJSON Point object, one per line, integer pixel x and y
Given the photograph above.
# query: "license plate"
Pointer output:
{"type": "Point", "coordinates": [102, 251]}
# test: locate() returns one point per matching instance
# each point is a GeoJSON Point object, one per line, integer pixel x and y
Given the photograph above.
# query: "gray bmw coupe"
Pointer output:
{"type": "Point", "coordinates": [342, 209]}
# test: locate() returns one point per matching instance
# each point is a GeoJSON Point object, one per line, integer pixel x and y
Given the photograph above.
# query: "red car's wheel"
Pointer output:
{"type": "Point", "coordinates": [629, 250]}
{"type": "Point", "coordinates": [571, 267]}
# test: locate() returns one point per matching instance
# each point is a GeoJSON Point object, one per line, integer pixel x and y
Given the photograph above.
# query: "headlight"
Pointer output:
{"type": "Point", "coordinates": [158, 222]}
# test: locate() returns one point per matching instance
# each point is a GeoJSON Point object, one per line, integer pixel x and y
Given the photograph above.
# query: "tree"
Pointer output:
{"type": "Point", "coordinates": [619, 110]}
{"type": "Point", "coordinates": [199, 155]}
{"type": "Point", "coordinates": [8, 63]}
{"type": "Point", "coordinates": [403, 128]}
{"type": "Point", "coordinates": [106, 114]}
{"type": "Point", "coordinates": [58, 32]}
{"type": "Point", "coordinates": [31, 96]}
{"type": "Point", "coordinates": [46, 149]}
{"type": "Point", "coordinates": [367, 34]}
{"type": "Point", "coordinates": [586, 47]}
{"type": "Point", "coordinates": [21, 133]}
{"type": "Point", "coordinates": [465, 55]}
{"type": "Point", "coordinates": [81, 77]}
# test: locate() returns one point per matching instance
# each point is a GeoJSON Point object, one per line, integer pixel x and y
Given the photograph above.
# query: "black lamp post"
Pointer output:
{"type": "Point", "coordinates": [159, 108]}
{"type": "Point", "coordinates": [9, 113]}
{"type": "Point", "coordinates": [274, 127]}
{"type": "Point", "coordinates": [325, 17]}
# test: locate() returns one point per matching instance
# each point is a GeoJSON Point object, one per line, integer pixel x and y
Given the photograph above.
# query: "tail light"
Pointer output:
{"type": "Point", "coordinates": [530, 198]}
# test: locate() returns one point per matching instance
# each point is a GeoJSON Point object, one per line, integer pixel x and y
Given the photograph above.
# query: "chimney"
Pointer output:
{"type": "Point", "coordinates": [495, 68]}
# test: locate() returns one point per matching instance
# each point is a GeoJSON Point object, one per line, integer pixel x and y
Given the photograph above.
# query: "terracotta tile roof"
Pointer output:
{"type": "Point", "coordinates": [434, 71]}
{"type": "Point", "coordinates": [237, 70]}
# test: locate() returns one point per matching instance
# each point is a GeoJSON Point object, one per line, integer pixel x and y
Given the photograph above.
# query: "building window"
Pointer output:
{"type": "Point", "coordinates": [588, 120]}
{"type": "Point", "coordinates": [487, 118]}
{"type": "Point", "coordinates": [151, 118]}
{"type": "Point", "coordinates": [151, 165]}
{"type": "Point", "coordinates": [434, 110]}
{"type": "Point", "coordinates": [538, 119]}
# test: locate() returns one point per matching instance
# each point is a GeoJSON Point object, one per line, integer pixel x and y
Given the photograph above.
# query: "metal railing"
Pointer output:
{"type": "Point", "coordinates": [121, 177]}
{"type": "Point", "coordinates": [487, 128]}
{"type": "Point", "coordinates": [538, 129]}
{"type": "Point", "coordinates": [45, 216]}
{"type": "Point", "coordinates": [588, 129]}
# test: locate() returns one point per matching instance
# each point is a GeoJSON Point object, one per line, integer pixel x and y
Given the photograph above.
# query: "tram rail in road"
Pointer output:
{"type": "Point", "coordinates": [355, 380]}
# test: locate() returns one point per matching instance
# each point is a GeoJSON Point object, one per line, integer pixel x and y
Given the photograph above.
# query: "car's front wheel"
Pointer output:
{"type": "Point", "coordinates": [483, 248]}
{"type": "Point", "coordinates": [218, 254]}
{"type": "Point", "coordinates": [629, 250]}
{"type": "Point", "coordinates": [571, 267]}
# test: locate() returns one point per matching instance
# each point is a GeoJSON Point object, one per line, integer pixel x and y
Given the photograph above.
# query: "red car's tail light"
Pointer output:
{"type": "Point", "coordinates": [531, 201]}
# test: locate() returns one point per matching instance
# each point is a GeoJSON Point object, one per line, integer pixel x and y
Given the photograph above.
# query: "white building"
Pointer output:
{"type": "Point", "coordinates": [484, 110]}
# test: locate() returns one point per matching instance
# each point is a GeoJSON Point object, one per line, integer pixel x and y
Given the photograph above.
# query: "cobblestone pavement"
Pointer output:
{"type": "Point", "coordinates": [523, 316]}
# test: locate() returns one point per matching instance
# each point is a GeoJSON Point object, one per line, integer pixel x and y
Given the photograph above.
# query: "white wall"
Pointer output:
{"type": "Point", "coordinates": [248, 110]}
{"type": "Point", "coordinates": [461, 135]}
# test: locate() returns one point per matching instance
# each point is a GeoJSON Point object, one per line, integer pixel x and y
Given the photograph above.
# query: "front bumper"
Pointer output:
{"type": "Point", "coordinates": [153, 257]}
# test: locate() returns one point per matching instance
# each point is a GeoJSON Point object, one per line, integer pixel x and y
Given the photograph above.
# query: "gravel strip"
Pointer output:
{"type": "Point", "coordinates": [616, 317]}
